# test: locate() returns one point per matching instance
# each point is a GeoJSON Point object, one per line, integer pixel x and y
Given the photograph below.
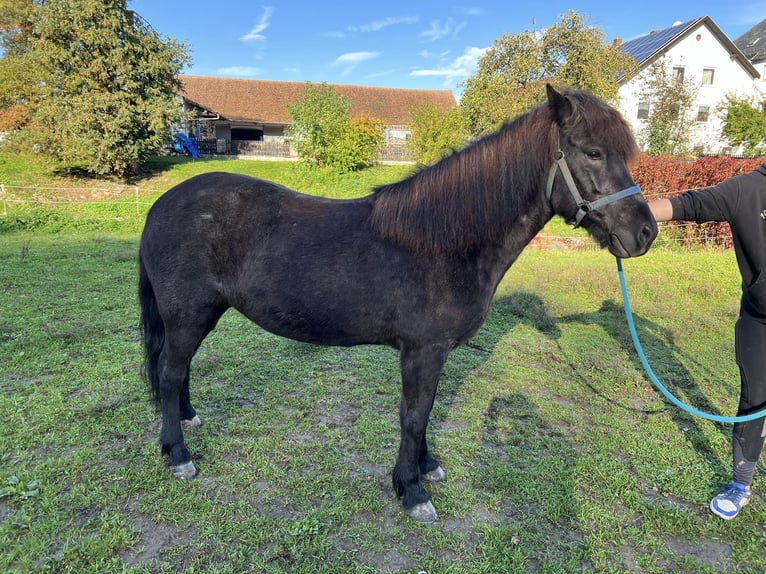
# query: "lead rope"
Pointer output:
{"type": "Point", "coordinates": [672, 398]}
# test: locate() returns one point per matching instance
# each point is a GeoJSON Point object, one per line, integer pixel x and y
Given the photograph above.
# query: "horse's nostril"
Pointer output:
{"type": "Point", "coordinates": [648, 233]}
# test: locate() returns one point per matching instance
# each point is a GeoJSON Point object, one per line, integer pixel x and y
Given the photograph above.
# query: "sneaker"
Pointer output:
{"type": "Point", "coordinates": [730, 501]}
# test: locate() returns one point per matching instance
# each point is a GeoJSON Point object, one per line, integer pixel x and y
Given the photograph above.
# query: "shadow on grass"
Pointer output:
{"type": "Point", "coordinates": [659, 344]}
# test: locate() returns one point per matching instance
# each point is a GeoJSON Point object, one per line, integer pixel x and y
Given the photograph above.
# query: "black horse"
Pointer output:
{"type": "Point", "coordinates": [413, 265]}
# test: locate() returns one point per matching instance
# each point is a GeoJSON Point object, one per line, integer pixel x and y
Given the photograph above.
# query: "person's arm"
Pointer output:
{"type": "Point", "coordinates": [661, 209]}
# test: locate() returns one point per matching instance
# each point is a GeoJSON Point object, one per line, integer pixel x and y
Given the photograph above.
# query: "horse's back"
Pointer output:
{"type": "Point", "coordinates": [262, 248]}
{"type": "Point", "coordinates": [205, 196]}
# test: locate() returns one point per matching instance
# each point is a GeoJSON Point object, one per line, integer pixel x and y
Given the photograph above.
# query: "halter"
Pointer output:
{"type": "Point", "coordinates": [583, 206]}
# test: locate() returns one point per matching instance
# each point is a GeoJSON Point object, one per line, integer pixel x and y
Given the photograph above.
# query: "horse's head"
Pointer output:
{"type": "Point", "coordinates": [590, 184]}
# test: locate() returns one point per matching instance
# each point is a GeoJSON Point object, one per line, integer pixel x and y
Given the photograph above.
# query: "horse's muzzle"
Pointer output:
{"type": "Point", "coordinates": [624, 246]}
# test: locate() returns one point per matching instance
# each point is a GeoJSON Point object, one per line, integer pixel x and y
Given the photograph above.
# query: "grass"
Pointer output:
{"type": "Point", "coordinates": [560, 455]}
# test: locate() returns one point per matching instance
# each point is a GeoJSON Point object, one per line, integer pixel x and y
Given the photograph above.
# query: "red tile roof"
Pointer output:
{"type": "Point", "coordinates": [266, 101]}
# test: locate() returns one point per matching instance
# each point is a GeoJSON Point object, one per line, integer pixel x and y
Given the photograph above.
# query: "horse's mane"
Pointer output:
{"type": "Point", "coordinates": [473, 196]}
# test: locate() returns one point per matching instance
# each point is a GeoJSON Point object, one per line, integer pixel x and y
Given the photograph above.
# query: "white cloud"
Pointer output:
{"type": "Point", "coordinates": [350, 60]}
{"type": "Point", "coordinates": [263, 23]}
{"type": "Point", "coordinates": [384, 23]}
{"type": "Point", "coordinates": [460, 68]}
{"type": "Point", "coordinates": [239, 71]}
{"type": "Point", "coordinates": [355, 57]}
{"type": "Point", "coordinates": [438, 29]}
{"type": "Point", "coordinates": [374, 26]}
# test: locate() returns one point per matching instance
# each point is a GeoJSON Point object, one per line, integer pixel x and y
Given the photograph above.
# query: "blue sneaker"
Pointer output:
{"type": "Point", "coordinates": [730, 501]}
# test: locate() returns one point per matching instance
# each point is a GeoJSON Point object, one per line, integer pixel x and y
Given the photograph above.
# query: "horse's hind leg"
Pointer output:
{"type": "Point", "coordinates": [189, 418]}
{"type": "Point", "coordinates": [430, 469]}
{"type": "Point", "coordinates": [181, 343]}
{"type": "Point", "coordinates": [174, 372]}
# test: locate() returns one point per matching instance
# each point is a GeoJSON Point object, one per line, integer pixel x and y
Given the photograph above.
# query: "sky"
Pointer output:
{"type": "Point", "coordinates": [396, 44]}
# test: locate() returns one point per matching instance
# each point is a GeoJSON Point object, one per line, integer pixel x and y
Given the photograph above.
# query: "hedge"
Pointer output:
{"type": "Point", "coordinates": [668, 176]}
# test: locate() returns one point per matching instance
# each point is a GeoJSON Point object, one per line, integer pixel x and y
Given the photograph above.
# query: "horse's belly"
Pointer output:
{"type": "Point", "coordinates": [320, 326]}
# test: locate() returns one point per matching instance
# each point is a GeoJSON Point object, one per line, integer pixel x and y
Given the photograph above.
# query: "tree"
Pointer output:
{"type": "Point", "coordinates": [325, 135]}
{"type": "Point", "coordinates": [104, 84]}
{"type": "Point", "coordinates": [670, 99]}
{"type": "Point", "coordinates": [512, 74]}
{"type": "Point", "coordinates": [436, 132]}
{"type": "Point", "coordinates": [743, 125]}
{"type": "Point", "coordinates": [15, 25]}
{"type": "Point", "coordinates": [18, 81]}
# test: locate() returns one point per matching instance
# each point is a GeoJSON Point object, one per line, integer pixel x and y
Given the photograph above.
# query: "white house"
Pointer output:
{"type": "Point", "coordinates": [698, 52]}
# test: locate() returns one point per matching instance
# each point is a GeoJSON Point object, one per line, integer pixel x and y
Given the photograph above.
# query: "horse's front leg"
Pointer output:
{"type": "Point", "coordinates": [421, 368]}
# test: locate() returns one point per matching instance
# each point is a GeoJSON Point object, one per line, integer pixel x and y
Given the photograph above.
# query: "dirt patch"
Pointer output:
{"type": "Point", "coordinates": [711, 552]}
{"type": "Point", "coordinates": [154, 540]}
{"type": "Point", "coordinates": [343, 415]}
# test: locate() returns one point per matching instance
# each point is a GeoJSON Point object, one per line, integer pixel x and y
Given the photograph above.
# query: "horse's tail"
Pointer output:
{"type": "Point", "coordinates": [152, 329]}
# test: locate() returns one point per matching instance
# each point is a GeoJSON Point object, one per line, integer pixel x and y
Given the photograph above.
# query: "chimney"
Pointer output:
{"type": "Point", "coordinates": [617, 42]}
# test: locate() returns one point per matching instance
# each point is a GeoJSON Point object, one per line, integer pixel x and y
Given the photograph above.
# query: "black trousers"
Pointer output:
{"type": "Point", "coordinates": [748, 437]}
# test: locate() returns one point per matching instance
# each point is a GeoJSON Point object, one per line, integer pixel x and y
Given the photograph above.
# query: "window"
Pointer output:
{"type": "Point", "coordinates": [678, 74]}
{"type": "Point", "coordinates": [707, 76]}
{"type": "Point", "coordinates": [703, 113]}
{"type": "Point", "coordinates": [643, 111]}
{"type": "Point", "coordinates": [247, 134]}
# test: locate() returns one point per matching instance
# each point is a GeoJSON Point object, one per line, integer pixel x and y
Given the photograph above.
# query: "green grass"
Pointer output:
{"type": "Point", "coordinates": [560, 455]}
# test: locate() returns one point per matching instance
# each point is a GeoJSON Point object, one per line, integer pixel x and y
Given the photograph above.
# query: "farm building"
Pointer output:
{"type": "Point", "coordinates": [243, 116]}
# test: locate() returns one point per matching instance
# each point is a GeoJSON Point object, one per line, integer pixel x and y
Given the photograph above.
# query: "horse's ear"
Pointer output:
{"type": "Point", "coordinates": [561, 107]}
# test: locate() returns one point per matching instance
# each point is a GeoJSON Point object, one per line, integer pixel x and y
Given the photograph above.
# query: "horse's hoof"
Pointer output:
{"type": "Point", "coordinates": [184, 471]}
{"type": "Point", "coordinates": [423, 512]}
{"type": "Point", "coordinates": [192, 423]}
{"type": "Point", "coordinates": [435, 475]}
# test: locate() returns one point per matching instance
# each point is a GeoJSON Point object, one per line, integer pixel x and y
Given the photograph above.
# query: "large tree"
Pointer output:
{"type": "Point", "coordinates": [512, 74]}
{"type": "Point", "coordinates": [103, 84]}
{"type": "Point", "coordinates": [18, 86]}
{"type": "Point", "coordinates": [15, 24]}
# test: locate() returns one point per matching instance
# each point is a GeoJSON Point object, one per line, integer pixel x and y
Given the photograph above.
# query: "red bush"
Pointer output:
{"type": "Point", "coordinates": [666, 176]}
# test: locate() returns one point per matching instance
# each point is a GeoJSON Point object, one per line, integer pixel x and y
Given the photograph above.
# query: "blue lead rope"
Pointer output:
{"type": "Point", "coordinates": [672, 398]}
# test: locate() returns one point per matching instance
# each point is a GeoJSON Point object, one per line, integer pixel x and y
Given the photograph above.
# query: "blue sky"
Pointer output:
{"type": "Point", "coordinates": [426, 45]}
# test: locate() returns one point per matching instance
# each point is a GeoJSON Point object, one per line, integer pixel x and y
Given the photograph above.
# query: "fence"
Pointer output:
{"type": "Point", "coordinates": [281, 150]}
{"type": "Point", "coordinates": [395, 153]}
{"type": "Point", "coordinates": [273, 149]}
{"type": "Point", "coordinates": [120, 208]}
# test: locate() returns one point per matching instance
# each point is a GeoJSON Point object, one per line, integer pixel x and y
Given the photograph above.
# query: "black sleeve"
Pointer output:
{"type": "Point", "coordinates": [715, 203]}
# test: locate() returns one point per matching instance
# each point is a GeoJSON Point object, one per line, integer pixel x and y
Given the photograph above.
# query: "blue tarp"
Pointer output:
{"type": "Point", "coordinates": [184, 144]}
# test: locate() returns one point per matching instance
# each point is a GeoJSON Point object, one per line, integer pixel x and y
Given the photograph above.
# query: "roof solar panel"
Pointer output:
{"type": "Point", "coordinates": [644, 47]}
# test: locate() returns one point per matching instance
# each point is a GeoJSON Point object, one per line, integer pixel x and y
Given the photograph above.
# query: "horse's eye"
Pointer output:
{"type": "Point", "coordinates": [594, 154]}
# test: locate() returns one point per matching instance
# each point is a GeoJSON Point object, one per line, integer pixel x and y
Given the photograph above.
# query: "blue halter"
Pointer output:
{"type": "Point", "coordinates": [583, 206]}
